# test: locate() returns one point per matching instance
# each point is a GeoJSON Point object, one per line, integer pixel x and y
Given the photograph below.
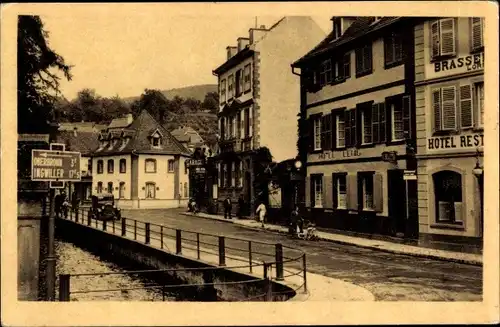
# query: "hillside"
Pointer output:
{"type": "Point", "coordinates": [195, 91]}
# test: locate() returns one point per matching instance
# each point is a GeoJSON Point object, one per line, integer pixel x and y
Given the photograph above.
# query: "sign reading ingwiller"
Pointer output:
{"type": "Point", "coordinates": [50, 165]}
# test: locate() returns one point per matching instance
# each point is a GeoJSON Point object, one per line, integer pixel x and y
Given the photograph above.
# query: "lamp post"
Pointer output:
{"type": "Point", "coordinates": [479, 173]}
{"type": "Point", "coordinates": [298, 165]}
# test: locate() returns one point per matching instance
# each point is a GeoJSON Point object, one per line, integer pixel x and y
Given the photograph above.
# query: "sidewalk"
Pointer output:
{"type": "Point", "coordinates": [468, 258]}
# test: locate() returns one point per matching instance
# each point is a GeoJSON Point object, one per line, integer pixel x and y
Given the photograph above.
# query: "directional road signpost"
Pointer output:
{"type": "Point", "coordinates": [54, 166]}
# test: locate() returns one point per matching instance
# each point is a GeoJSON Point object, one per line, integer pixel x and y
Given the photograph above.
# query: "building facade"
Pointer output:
{"type": "Point", "coordinates": [141, 164]}
{"type": "Point", "coordinates": [357, 126]}
{"type": "Point", "coordinates": [449, 68]}
{"type": "Point", "coordinates": [259, 97]}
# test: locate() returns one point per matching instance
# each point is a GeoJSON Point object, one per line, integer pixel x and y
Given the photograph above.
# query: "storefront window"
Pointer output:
{"type": "Point", "coordinates": [448, 195]}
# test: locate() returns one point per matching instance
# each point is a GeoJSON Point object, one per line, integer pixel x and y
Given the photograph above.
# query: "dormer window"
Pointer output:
{"type": "Point", "coordinates": [337, 27]}
{"type": "Point", "coordinates": [124, 143]}
{"type": "Point", "coordinates": [156, 139]}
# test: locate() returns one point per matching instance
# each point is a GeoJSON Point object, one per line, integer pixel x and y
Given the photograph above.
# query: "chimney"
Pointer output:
{"type": "Point", "coordinates": [257, 33]}
{"type": "Point", "coordinates": [74, 131]}
{"type": "Point", "coordinates": [231, 51]}
{"type": "Point", "coordinates": [242, 43]}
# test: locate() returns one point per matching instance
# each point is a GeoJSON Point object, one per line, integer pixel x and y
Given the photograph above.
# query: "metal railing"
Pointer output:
{"type": "Point", "coordinates": [201, 246]}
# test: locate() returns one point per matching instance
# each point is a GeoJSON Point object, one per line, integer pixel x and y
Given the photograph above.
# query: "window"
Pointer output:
{"type": "Point", "coordinates": [231, 127]}
{"type": "Point", "coordinates": [221, 175]}
{"type": "Point", "coordinates": [100, 166]}
{"type": "Point", "coordinates": [186, 189]}
{"type": "Point", "coordinates": [366, 126]}
{"type": "Point", "coordinates": [340, 121]}
{"type": "Point", "coordinates": [378, 123]}
{"type": "Point", "coordinates": [239, 83]}
{"type": "Point", "coordinates": [479, 103]}
{"type": "Point", "coordinates": [317, 133]}
{"type": "Point", "coordinates": [393, 49]}
{"type": "Point", "coordinates": [237, 173]}
{"type": "Point", "coordinates": [227, 175]}
{"type": "Point", "coordinates": [347, 65]}
{"type": "Point", "coordinates": [171, 166]}
{"type": "Point", "coordinates": [233, 173]}
{"type": "Point", "coordinates": [248, 123]}
{"type": "Point", "coordinates": [121, 193]}
{"type": "Point", "coordinates": [230, 87]}
{"type": "Point", "coordinates": [156, 141]}
{"type": "Point", "coordinates": [123, 166]}
{"type": "Point", "coordinates": [247, 78]}
{"type": "Point", "coordinates": [363, 60]}
{"type": "Point", "coordinates": [111, 166]}
{"type": "Point", "coordinates": [317, 190]}
{"type": "Point", "coordinates": [337, 27]}
{"type": "Point", "coordinates": [367, 189]}
{"type": "Point", "coordinates": [240, 183]}
{"type": "Point", "coordinates": [99, 187]}
{"type": "Point", "coordinates": [150, 166]}
{"type": "Point", "coordinates": [150, 190]}
{"type": "Point", "coordinates": [325, 72]}
{"type": "Point", "coordinates": [340, 191]}
{"type": "Point", "coordinates": [110, 187]}
{"type": "Point", "coordinates": [326, 132]}
{"type": "Point", "coordinates": [443, 41]}
{"type": "Point", "coordinates": [222, 91]}
{"type": "Point", "coordinates": [397, 122]}
{"type": "Point", "coordinates": [477, 33]}
{"type": "Point", "coordinates": [350, 128]}
{"type": "Point", "coordinates": [448, 196]}
{"type": "Point", "coordinates": [444, 107]}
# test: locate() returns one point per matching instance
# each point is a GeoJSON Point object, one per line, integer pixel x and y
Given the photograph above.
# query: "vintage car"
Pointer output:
{"type": "Point", "coordinates": [104, 208]}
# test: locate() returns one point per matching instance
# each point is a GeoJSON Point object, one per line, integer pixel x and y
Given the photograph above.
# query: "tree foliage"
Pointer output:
{"type": "Point", "coordinates": [37, 83]}
{"type": "Point", "coordinates": [154, 101]}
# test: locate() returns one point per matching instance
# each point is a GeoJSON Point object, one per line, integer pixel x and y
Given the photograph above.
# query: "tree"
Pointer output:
{"type": "Point", "coordinates": [114, 107]}
{"type": "Point", "coordinates": [37, 83]}
{"type": "Point", "coordinates": [154, 101]}
{"type": "Point", "coordinates": [211, 102]}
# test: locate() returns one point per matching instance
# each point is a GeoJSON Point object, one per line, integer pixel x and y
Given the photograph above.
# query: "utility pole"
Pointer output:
{"type": "Point", "coordinates": [51, 259]}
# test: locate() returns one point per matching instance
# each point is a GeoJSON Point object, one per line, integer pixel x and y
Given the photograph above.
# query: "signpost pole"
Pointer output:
{"type": "Point", "coordinates": [51, 259]}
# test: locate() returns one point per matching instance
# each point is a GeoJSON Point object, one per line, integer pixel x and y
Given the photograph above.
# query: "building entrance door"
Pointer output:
{"type": "Point", "coordinates": [397, 200]}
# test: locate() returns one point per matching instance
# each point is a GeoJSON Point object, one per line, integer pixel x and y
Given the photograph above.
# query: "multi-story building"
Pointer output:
{"type": "Point", "coordinates": [141, 164]}
{"type": "Point", "coordinates": [259, 100]}
{"type": "Point", "coordinates": [449, 68]}
{"type": "Point", "coordinates": [357, 126]}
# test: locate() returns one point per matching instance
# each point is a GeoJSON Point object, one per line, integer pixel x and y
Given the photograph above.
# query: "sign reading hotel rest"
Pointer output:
{"type": "Point", "coordinates": [50, 165]}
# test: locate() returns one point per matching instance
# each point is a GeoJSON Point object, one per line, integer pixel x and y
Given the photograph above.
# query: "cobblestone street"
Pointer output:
{"type": "Point", "coordinates": [389, 277]}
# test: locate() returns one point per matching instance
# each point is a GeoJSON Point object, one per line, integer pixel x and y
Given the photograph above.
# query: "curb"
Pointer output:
{"type": "Point", "coordinates": [419, 255]}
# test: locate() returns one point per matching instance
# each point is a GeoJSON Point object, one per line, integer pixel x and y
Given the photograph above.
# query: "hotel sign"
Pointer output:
{"type": "Point", "coordinates": [468, 141]}
{"type": "Point", "coordinates": [348, 153]}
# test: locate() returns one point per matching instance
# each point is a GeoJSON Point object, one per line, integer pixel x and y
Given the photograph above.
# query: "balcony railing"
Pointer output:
{"type": "Point", "coordinates": [230, 145]}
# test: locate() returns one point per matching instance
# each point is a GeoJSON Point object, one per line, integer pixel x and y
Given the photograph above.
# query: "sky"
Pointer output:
{"type": "Point", "coordinates": [123, 52]}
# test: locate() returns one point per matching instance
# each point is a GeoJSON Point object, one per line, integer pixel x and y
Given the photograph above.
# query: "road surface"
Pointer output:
{"type": "Point", "coordinates": [390, 277]}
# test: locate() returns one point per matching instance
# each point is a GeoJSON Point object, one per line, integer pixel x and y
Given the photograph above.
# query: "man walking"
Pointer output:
{"type": "Point", "coordinates": [261, 211]}
{"type": "Point", "coordinates": [227, 208]}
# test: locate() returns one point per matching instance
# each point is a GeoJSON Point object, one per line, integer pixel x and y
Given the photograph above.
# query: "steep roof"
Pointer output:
{"type": "Point", "coordinates": [360, 27]}
{"type": "Point", "coordinates": [187, 134]}
{"type": "Point", "coordinates": [121, 122]}
{"type": "Point", "coordinates": [81, 126]}
{"type": "Point", "coordinates": [140, 132]}
{"type": "Point", "coordinates": [84, 142]}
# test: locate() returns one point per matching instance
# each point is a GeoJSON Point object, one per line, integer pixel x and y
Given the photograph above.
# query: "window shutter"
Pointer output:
{"type": "Point", "coordinates": [435, 39]}
{"type": "Point", "coordinates": [242, 124]}
{"type": "Point", "coordinates": [347, 65]}
{"type": "Point", "coordinates": [359, 60]}
{"type": "Point", "coordinates": [389, 49]}
{"type": "Point", "coordinates": [447, 43]}
{"type": "Point", "coordinates": [477, 41]}
{"type": "Point", "coordinates": [378, 193]}
{"type": "Point", "coordinates": [407, 115]}
{"type": "Point", "coordinates": [436, 104]}
{"type": "Point", "coordinates": [375, 123]}
{"type": "Point", "coordinates": [352, 192]}
{"type": "Point", "coordinates": [334, 191]}
{"type": "Point", "coordinates": [398, 47]}
{"type": "Point", "coordinates": [347, 128]}
{"type": "Point", "coordinates": [357, 122]}
{"type": "Point", "coordinates": [311, 133]}
{"type": "Point", "coordinates": [333, 117]}
{"type": "Point", "coordinates": [368, 57]}
{"type": "Point", "coordinates": [323, 132]}
{"type": "Point", "coordinates": [250, 121]}
{"type": "Point", "coordinates": [382, 122]}
{"type": "Point", "coordinates": [466, 106]}
{"type": "Point", "coordinates": [327, 191]}
{"type": "Point", "coordinates": [449, 108]}
{"type": "Point", "coordinates": [308, 192]}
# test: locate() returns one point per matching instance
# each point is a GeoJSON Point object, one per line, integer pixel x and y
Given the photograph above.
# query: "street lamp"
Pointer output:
{"type": "Point", "coordinates": [478, 172]}
{"type": "Point", "coordinates": [298, 165]}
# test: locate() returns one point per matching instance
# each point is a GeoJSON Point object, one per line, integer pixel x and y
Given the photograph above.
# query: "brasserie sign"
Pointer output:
{"type": "Point", "coordinates": [469, 63]}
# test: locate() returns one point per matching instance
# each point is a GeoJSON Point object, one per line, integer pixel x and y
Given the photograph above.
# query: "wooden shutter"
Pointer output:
{"type": "Point", "coordinates": [359, 60]}
{"type": "Point", "coordinates": [382, 122]}
{"type": "Point", "coordinates": [447, 37]}
{"type": "Point", "coordinates": [358, 124]}
{"type": "Point", "coordinates": [327, 192]}
{"type": "Point", "coordinates": [406, 105]}
{"type": "Point", "coordinates": [352, 192]}
{"type": "Point", "coordinates": [466, 106]}
{"type": "Point", "coordinates": [335, 203]}
{"type": "Point", "coordinates": [449, 107]}
{"type": "Point", "coordinates": [347, 65]}
{"type": "Point", "coordinates": [334, 129]}
{"type": "Point", "coordinates": [398, 46]}
{"type": "Point", "coordinates": [242, 124]}
{"type": "Point", "coordinates": [375, 123]}
{"type": "Point", "coordinates": [378, 193]}
{"type": "Point", "coordinates": [308, 192]}
{"type": "Point", "coordinates": [389, 49]}
{"type": "Point", "coordinates": [477, 41]}
{"type": "Point", "coordinates": [347, 128]}
{"type": "Point", "coordinates": [311, 133]}
{"type": "Point", "coordinates": [250, 121]}
{"type": "Point", "coordinates": [367, 56]}
{"type": "Point", "coordinates": [436, 105]}
{"type": "Point", "coordinates": [435, 39]}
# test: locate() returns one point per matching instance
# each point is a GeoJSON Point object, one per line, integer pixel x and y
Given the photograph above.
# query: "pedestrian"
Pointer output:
{"type": "Point", "coordinates": [227, 208]}
{"type": "Point", "coordinates": [261, 211]}
{"type": "Point", "coordinates": [293, 221]}
{"type": "Point", "coordinates": [241, 204]}
{"type": "Point", "coordinates": [74, 201]}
